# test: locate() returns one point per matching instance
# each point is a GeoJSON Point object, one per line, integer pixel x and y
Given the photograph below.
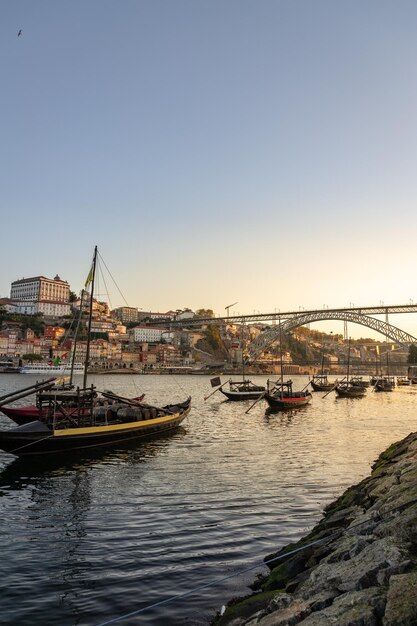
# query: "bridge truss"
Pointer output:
{"type": "Point", "coordinates": [271, 335]}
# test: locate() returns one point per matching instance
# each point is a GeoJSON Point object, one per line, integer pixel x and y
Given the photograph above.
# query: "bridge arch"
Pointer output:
{"type": "Point", "coordinates": [268, 337]}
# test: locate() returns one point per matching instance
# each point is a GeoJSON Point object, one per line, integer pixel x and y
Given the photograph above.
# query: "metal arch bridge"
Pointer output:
{"type": "Point", "coordinates": [268, 337]}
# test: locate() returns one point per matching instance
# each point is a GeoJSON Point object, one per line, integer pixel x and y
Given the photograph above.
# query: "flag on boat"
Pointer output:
{"type": "Point", "coordinates": [89, 277]}
{"type": "Point", "coordinates": [59, 358]}
{"type": "Point", "coordinates": [216, 382]}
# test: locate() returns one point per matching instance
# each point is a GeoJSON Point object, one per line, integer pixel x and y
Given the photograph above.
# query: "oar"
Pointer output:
{"type": "Point", "coordinates": [334, 386]}
{"type": "Point", "coordinates": [34, 387]}
{"type": "Point", "coordinates": [17, 395]}
{"type": "Point", "coordinates": [256, 401]}
{"type": "Point", "coordinates": [218, 389]}
{"type": "Point", "coordinates": [134, 403]}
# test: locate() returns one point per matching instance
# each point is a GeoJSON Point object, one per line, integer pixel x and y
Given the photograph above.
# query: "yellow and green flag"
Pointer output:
{"type": "Point", "coordinates": [89, 277]}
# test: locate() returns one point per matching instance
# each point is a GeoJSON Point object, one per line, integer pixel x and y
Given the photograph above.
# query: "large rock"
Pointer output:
{"type": "Point", "coordinates": [357, 567]}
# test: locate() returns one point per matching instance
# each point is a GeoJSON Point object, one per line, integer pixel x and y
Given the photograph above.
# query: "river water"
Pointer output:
{"type": "Point", "coordinates": [105, 536]}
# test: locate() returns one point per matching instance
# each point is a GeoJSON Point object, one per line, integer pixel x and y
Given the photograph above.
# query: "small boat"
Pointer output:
{"type": "Point", "coordinates": [345, 389]}
{"type": "Point", "coordinates": [320, 382]}
{"type": "Point", "coordinates": [281, 396]}
{"type": "Point", "coordinates": [72, 419]}
{"type": "Point", "coordinates": [403, 381]}
{"type": "Point", "coordinates": [357, 381]}
{"type": "Point", "coordinates": [385, 383]}
{"type": "Point", "coordinates": [8, 367]}
{"type": "Point", "coordinates": [243, 390]}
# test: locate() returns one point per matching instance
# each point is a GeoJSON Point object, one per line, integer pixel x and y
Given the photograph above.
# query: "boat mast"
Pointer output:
{"type": "Point", "coordinates": [280, 358]}
{"type": "Point", "coordinates": [348, 362]}
{"type": "Point", "coordinates": [74, 345]}
{"type": "Point", "coordinates": [90, 316]}
{"type": "Point", "coordinates": [243, 359]}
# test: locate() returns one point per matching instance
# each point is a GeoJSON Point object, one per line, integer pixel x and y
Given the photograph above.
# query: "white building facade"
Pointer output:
{"type": "Point", "coordinates": [147, 334]}
{"type": "Point", "coordinates": [41, 295]}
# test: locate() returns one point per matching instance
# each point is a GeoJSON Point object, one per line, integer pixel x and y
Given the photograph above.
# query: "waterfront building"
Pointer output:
{"type": "Point", "coordinates": [41, 295]}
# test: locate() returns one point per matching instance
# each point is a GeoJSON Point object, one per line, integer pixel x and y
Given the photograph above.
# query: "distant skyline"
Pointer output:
{"type": "Point", "coordinates": [216, 151]}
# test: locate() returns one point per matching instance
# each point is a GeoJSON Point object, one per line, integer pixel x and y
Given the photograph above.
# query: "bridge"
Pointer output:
{"type": "Point", "coordinates": [288, 320]}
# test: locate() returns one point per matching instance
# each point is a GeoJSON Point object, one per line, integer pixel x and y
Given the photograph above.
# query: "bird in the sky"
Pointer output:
{"type": "Point", "coordinates": [19, 33]}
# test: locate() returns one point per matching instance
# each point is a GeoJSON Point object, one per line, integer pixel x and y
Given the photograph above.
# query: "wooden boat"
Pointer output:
{"type": "Point", "coordinates": [346, 389]}
{"type": "Point", "coordinates": [282, 396]}
{"type": "Point", "coordinates": [69, 419]}
{"type": "Point", "coordinates": [403, 381]}
{"type": "Point", "coordinates": [320, 382]}
{"type": "Point", "coordinates": [25, 414]}
{"type": "Point", "coordinates": [357, 381]}
{"type": "Point", "coordinates": [385, 383]}
{"type": "Point", "coordinates": [243, 390]}
{"type": "Point", "coordinates": [91, 426]}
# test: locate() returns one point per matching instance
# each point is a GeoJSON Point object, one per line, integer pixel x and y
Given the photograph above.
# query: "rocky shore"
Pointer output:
{"type": "Point", "coordinates": [362, 567]}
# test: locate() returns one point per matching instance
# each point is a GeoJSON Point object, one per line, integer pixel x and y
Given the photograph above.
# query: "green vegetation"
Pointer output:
{"type": "Point", "coordinates": [204, 313]}
{"type": "Point", "coordinates": [32, 357]}
{"type": "Point", "coordinates": [412, 354]}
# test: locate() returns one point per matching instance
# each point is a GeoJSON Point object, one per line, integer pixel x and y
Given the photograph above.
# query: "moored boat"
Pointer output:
{"type": "Point", "coordinates": [243, 390]}
{"type": "Point", "coordinates": [403, 381]}
{"type": "Point", "coordinates": [281, 396]}
{"type": "Point", "coordinates": [358, 381]}
{"type": "Point", "coordinates": [52, 370]}
{"type": "Point", "coordinates": [320, 382]}
{"type": "Point", "coordinates": [385, 383]}
{"type": "Point", "coordinates": [346, 389]}
{"type": "Point", "coordinates": [91, 426]}
{"type": "Point", "coordinates": [28, 413]}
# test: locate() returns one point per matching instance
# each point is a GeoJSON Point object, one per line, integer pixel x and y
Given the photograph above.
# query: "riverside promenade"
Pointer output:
{"type": "Point", "coordinates": [357, 567]}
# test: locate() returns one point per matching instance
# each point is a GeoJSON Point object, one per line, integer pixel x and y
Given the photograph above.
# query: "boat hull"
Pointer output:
{"type": "Point", "coordinates": [289, 402]}
{"type": "Point", "coordinates": [321, 386]}
{"type": "Point", "coordinates": [351, 392]}
{"type": "Point", "coordinates": [36, 438]}
{"type": "Point", "coordinates": [242, 395]}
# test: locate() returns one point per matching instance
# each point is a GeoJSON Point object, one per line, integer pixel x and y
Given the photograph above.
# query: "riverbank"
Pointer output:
{"type": "Point", "coordinates": [357, 567]}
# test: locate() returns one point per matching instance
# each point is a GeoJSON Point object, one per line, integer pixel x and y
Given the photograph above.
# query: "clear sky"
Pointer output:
{"type": "Point", "coordinates": [215, 150]}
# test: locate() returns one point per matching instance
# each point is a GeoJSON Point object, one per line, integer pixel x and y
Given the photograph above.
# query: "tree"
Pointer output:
{"type": "Point", "coordinates": [412, 353]}
{"type": "Point", "coordinates": [30, 356]}
{"type": "Point", "coordinates": [204, 313]}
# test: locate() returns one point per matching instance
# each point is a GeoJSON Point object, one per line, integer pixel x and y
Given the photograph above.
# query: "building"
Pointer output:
{"type": "Point", "coordinates": [126, 314]}
{"type": "Point", "coordinates": [41, 295]}
{"type": "Point", "coordinates": [147, 334]}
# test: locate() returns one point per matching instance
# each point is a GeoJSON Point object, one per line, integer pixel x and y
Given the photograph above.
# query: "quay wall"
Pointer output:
{"type": "Point", "coordinates": [357, 567]}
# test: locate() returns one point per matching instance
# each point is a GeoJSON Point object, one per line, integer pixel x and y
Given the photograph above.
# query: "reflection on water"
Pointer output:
{"type": "Point", "coordinates": [96, 535]}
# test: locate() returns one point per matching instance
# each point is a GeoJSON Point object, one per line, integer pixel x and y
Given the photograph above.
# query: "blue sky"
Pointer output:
{"type": "Point", "coordinates": [216, 151]}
